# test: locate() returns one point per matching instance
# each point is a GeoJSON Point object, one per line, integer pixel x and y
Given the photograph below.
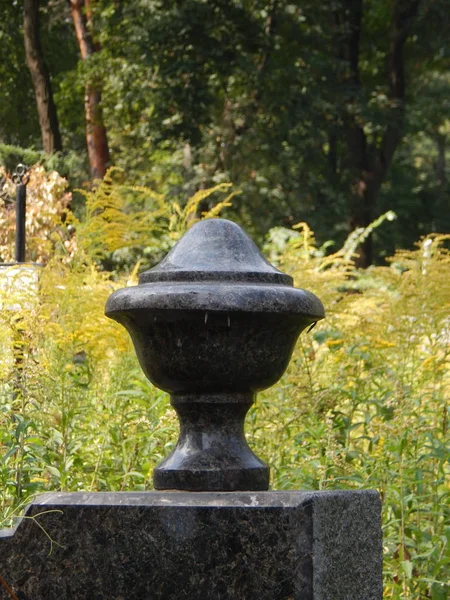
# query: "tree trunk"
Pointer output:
{"type": "Point", "coordinates": [441, 213]}
{"type": "Point", "coordinates": [370, 162]}
{"type": "Point", "coordinates": [359, 163]}
{"type": "Point", "coordinates": [96, 138]}
{"type": "Point", "coordinates": [332, 154]}
{"type": "Point", "coordinates": [440, 163]}
{"type": "Point", "coordinates": [48, 119]}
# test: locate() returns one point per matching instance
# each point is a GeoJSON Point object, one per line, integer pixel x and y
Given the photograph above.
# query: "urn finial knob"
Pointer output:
{"type": "Point", "coordinates": [213, 324]}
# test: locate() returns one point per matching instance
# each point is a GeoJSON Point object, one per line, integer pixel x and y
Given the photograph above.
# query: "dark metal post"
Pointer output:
{"type": "Point", "coordinates": [21, 179]}
{"type": "Point", "coordinates": [21, 200]}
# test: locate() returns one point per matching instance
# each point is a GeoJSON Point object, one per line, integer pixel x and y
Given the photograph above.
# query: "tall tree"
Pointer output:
{"type": "Point", "coordinates": [330, 113]}
{"type": "Point", "coordinates": [368, 160]}
{"type": "Point", "coordinates": [306, 107]}
{"type": "Point", "coordinates": [96, 138]}
{"type": "Point", "coordinates": [48, 119]}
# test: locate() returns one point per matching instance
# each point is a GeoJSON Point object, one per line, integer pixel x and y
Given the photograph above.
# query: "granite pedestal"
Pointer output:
{"type": "Point", "coordinates": [197, 546]}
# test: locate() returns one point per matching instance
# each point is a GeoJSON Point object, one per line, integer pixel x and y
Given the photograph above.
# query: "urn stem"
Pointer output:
{"type": "Point", "coordinates": [212, 452]}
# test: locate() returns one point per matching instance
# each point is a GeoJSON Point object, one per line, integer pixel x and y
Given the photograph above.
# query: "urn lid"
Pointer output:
{"type": "Point", "coordinates": [215, 250]}
{"type": "Point", "coordinates": [216, 266]}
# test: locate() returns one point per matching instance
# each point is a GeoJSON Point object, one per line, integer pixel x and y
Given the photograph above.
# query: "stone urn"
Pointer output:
{"type": "Point", "coordinates": [212, 324]}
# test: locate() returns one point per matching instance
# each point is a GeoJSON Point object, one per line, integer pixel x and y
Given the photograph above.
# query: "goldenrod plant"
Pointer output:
{"type": "Point", "coordinates": [74, 405]}
{"type": "Point", "coordinates": [364, 403]}
{"type": "Point", "coordinates": [119, 215]}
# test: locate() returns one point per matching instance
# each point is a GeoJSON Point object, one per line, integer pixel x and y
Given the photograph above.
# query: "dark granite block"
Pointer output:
{"type": "Point", "coordinates": [211, 545]}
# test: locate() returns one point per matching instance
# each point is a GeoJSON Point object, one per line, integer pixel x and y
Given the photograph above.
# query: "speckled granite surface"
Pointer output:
{"type": "Point", "coordinates": [212, 324]}
{"type": "Point", "coordinates": [202, 546]}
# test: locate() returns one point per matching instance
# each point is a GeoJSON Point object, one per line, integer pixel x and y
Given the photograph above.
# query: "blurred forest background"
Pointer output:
{"type": "Point", "coordinates": [327, 112]}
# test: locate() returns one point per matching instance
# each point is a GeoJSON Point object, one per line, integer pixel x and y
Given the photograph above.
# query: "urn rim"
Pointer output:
{"type": "Point", "coordinates": [216, 297]}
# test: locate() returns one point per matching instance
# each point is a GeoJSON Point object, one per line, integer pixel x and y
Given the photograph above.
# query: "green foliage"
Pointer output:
{"type": "Point", "coordinates": [11, 156]}
{"type": "Point", "coordinates": [64, 164]}
{"type": "Point", "coordinates": [75, 409]}
{"type": "Point", "coordinates": [364, 403]}
{"type": "Point", "coordinates": [259, 93]}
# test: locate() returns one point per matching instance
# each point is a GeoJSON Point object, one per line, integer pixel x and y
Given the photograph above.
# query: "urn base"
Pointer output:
{"type": "Point", "coordinates": [212, 453]}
